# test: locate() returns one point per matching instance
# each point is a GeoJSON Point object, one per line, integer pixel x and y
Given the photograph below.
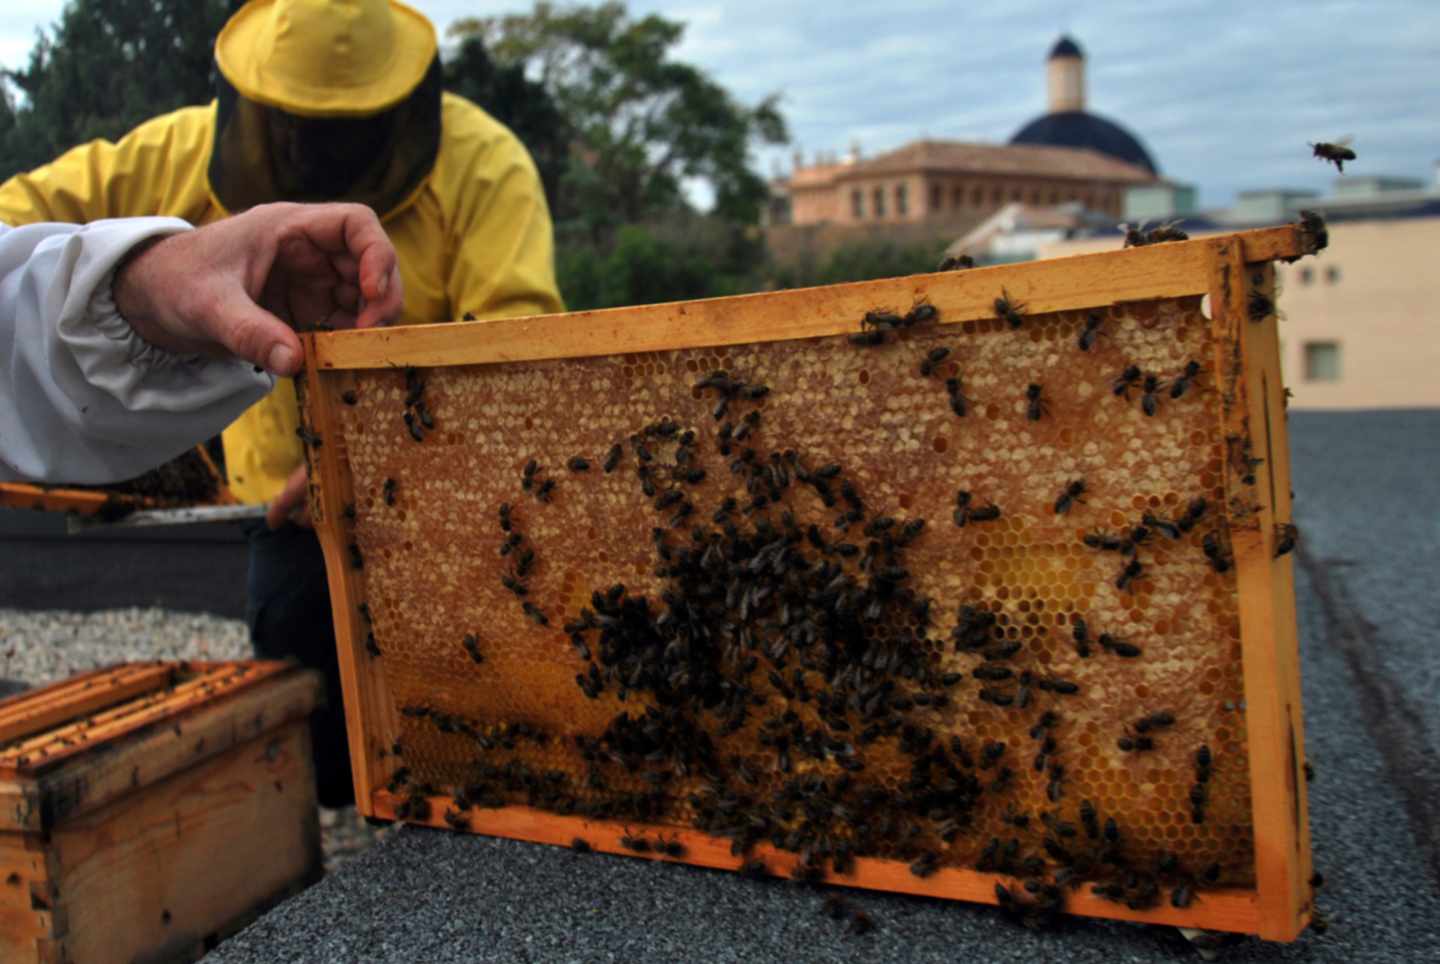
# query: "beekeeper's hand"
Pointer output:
{"type": "Point", "coordinates": [240, 286]}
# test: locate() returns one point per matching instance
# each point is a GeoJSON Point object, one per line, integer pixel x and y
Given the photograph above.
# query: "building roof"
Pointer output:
{"type": "Point", "coordinates": [1066, 47]}
{"type": "Point", "coordinates": [1026, 159]}
{"type": "Point", "coordinates": [1082, 129]}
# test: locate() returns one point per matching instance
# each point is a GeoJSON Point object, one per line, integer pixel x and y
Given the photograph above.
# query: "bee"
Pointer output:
{"type": "Point", "coordinates": [545, 489]}
{"type": "Point", "coordinates": [671, 848]}
{"type": "Point", "coordinates": [471, 642]}
{"type": "Point", "coordinates": [1091, 331]}
{"type": "Point", "coordinates": [514, 585]}
{"type": "Point", "coordinates": [921, 314]}
{"type": "Point", "coordinates": [581, 846]}
{"type": "Point", "coordinates": [1182, 896]}
{"type": "Point", "coordinates": [1155, 721]}
{"type": "Point", "coordinates": [1192, 514]}
{"type": "Point", "coordinates": [755, 869]}
{"type": "Point", "coordinates": [1182, 382]}
{"type": "Point", "coordinates": [1313, 230]}
{"type": "Point", "coordinates": [1161, 525]}
{"type": "Point", "coordinates": [357, 561]}
{"type": "Point", "coordinates": [505, 517]}
{"type": "Point", "coordinates": [308, 437]}
{"type": "Point", "coordinates": [1034, 402]}
{"type": "Point", "coordinates": [638, 844]}
{"type": "Point", "coordinates": [1337, 153]}
{"type": "Point", "coordinates": [1071, 493]}
{"type": "Point", "coordinates": [1104, 541]}
{"type": "Point", "coordinates": [1134, 236]}
{"type": "Point", "coordinates": [1128, 575]}
{"type": "Point", "coordinates": [389, 491]}
{"type": "Point", "coordinates": [413, 426]}
{"type": "Point", "coordinates": [578, 464]}
{"type": "Point", "coordinates": [1011, 312]}
{"type": "Point", "coordinates": [932, 358]}
{"type": "Point", "coordinates": [1219, 559]}
{"type": "Point", "coordinates": [349, 397]}
{"type": "Point", "coordinates": [1130, 743]}
{"type": "Point", "coordinates": [1258, 306]}
{"type": "Point", "coordinates": [958, 401]}
{"type": "Point", "coordinates": [881, 320]}
{"type": "Point", "coordinates": [1089, 819]}
{"type": "Point", "coordinates": [985, 513]}
{"type": "Point", "coordinates": [956, 262]}
{"type": "Point", "coordinates": [423, 414]}
{"type": "Point", "coordinates": [1150, 400]}
{"type": "Point", "coordinates": [1169, 231]}
{"type": "Point", "coordinates": [371, 646]}
{"type": "Point", "coordinates": [864, 339]}
{"type": "Point", "coordinates": [612, 458]}
{"type": "Point", "coordinates": [1286, 535]}
{"type": "Point", "coordinates": [1118, 646]}
{"type": "Point", "coordinates": [1126, 379]}
{"type": "Point", "coordinates": [1081, 633]}
{"type": "Point", "coordinates": [527, 476]}
{"type": "Point", "coordinates": [925, 865]}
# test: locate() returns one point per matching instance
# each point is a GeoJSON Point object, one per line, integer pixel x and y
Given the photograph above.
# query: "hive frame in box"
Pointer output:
{"type": "Point", "coordinates": [1229, 269]}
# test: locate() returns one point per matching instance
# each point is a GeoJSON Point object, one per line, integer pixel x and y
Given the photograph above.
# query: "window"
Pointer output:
{"type": "Point", "coordinates": [997, 195]}
{"type": "Point", "coordinates": [1307, 275]}
{"type": "Point", "coordinates": [879, 202]}
{"type": "Point", "coordinates": [977, 197]}
{"type": "Point", "coordinates": [902, 200]}
{"type": "Point", "coordinates": [1332, 274]}
{"type": "Point", "coordinates": [857, 204]}
{"type": "Point", "coordinates": [937, 197]}
{"type": "Point", "coordinates": [1322, 361]}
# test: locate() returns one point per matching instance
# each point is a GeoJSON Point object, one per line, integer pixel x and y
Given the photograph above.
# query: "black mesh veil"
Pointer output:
{"type": "Point", "coordinates": [263, 154]}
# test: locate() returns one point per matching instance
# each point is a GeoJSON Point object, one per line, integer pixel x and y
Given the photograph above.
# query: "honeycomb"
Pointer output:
{"type": "Point", "coordinates": [698, 718]}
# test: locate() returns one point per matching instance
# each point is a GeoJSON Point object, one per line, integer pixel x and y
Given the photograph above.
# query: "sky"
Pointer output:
{"type": "Point", "coordinates": [1224, 93]}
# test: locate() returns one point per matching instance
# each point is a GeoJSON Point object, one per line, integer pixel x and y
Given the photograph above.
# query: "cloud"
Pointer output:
{"type": "Point", "coordinates": [1225, 93]}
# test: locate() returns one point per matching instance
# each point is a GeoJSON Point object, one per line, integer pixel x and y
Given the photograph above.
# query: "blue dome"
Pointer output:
{"type": "Point", "coordinates": [1065, 47]}
{"type": "Point", "coordinates": [1078, 128]}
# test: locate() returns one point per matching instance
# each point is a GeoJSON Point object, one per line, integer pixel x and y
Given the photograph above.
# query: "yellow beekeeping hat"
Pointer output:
{"type": "Point", "coordinates": [326, 58]}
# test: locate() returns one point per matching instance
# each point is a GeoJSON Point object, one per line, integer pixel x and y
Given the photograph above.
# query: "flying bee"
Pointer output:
{"type": "Point", "coordinates": [1070, 494]}
{"type": "Point", "coordinates": [1337, 153]}
{"type": "Point", "coordinates": [1123, 383]}
{"type": "Point", "coordinates": [932, 358]}
{"type": "Point", "coordinates": [1128, 575]}
{"type": "Point", "coordinates": [1009, 311]}
{"type": "Point", "coordinates": [1181, 384]}
{"type": "Point", "coordinates": [1091, 331]}
{"type": "Point", "coordinates": [1035, 405]}
{"type": "Point", "coordinates": [1219, 559]}
{"type": "Point", "coordinates": [1150, 400]}
{"type": "Point", "coordinates": [1286, 535]}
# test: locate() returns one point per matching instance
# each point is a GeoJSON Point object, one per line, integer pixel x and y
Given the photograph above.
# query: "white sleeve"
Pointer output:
{"type": "Point", "coordinates": [82, 398]}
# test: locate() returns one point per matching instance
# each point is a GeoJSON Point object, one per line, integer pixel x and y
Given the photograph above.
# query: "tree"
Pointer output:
{"type": "Point", "coordinates": [643, 123]}
{"type": "Point", "coordinates": [104, 68]}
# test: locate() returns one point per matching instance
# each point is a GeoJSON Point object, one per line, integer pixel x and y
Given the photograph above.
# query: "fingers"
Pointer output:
{"type": "Point", "coordinates": [283, 504]}
{"type": "Point", "coordinates": [353, 246]}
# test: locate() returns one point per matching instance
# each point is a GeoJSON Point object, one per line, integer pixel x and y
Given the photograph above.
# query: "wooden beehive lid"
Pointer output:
{"type": "Point", "coordinates": [76, 744]}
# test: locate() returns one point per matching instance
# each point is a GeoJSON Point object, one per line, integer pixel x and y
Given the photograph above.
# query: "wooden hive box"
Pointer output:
{"type": "Point", "coordinates": [148, 809]}
{"type": "Point", "coordinates": [832, 609]}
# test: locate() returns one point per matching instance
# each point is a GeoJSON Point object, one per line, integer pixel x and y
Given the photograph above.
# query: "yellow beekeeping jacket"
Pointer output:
{"type": "Point", "coordinates": [474, 237]}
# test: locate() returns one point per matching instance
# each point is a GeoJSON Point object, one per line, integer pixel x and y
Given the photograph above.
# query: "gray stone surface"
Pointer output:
{"type": "Point", "coordinates": [1366, 484]}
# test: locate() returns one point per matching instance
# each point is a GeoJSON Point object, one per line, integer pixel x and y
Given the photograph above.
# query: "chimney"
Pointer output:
{"type": "Point", "coordinates": [1065, 76]}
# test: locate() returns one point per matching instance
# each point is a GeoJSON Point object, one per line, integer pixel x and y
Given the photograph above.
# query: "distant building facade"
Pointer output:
{"type": "Point", "coordinates": [1066, 156]}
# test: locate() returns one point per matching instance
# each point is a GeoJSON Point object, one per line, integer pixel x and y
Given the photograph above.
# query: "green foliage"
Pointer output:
{"type": "Point", "coordinates": [643, 124]}
{"type": "Point", "coordinates": [682, 258]}
{"type": "Point", "coordinates": [104, 68]}
{"type": "Point", "coordinates": [860, 261]}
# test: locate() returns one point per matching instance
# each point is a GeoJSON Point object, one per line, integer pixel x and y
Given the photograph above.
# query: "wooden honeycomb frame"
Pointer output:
{"type": "Point", "coordinates": [1247, 398]}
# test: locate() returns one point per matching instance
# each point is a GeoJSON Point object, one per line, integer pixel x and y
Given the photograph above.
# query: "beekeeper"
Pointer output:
{"type": "Point", "coordinates": [323, 100]}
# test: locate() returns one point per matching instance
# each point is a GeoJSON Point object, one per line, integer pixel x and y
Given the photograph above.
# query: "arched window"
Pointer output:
{"type": "Point", "coordinates": [879, 202]}
{"type": "Point", "coordinates": [902, 200]}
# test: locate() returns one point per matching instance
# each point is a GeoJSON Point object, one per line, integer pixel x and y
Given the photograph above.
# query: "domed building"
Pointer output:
{"type": "Point", "coordinates": [1068, 156]}
{"type": "Point", "coordinates": [1069, 124]}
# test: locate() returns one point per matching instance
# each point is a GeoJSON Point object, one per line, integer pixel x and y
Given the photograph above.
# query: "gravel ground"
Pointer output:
{"type": "Point", "coordinates": [43, 646]}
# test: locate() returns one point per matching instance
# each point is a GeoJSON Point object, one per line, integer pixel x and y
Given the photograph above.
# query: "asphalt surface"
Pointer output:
{"type": "Point", "coordinates": [1367, 496]}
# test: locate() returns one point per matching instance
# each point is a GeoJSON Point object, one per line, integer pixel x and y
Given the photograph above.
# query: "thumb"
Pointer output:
{"type": "Point", "coordinates": [246, 330]}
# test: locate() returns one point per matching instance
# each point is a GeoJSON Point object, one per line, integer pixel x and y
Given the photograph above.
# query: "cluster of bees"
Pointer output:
{"type": "Point", "coordinates": [806, 638]}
